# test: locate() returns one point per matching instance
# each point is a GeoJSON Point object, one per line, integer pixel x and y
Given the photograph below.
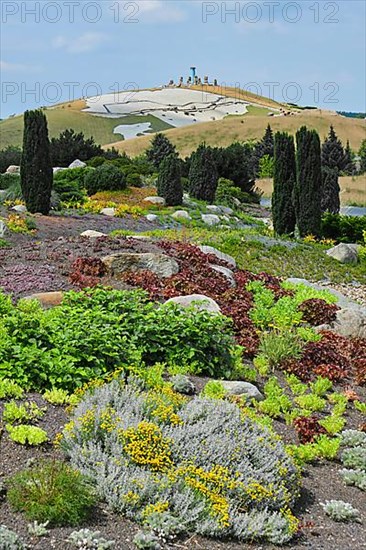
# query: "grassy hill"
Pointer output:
{"type": "Point", "coordinates": [252, 126]}
{"type": "Point", "coordinates": [70, 115]}
{"type": "Point", "coordinates": [187, 138]}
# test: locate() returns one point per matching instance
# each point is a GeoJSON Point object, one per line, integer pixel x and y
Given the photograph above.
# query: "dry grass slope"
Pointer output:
{"type": "Point", "coordinates": [353, 189]}
{"type": "Point", "coordinates": [247, 127]}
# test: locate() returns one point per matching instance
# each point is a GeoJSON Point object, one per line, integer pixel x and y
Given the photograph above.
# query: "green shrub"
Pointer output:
{"type": "Point", "coordinates": [8, 388]}
{"type": "Point", "coordinates": [9, 180]}
{"type": "Point", "coordinates": [226, 192]}
{"type": "Point", "coordinates": [276, 346]}
{"type": "Point", "coordinates": [57, 396]}
{"type": "Point", "coordinates": [213, 389]}
{"type": "Point", "coordinates": [69, 184]}
{"type": "Point", "coordinates": [24, 412]}
{"type": "Point", "coordinates": [134, 180]}
{"type": "Point", "coordinates": [106, 177]}
{"type": "Point", "coordinates": [95, 332]}
{"type": "Point", "coordinates": [27, 435]}
{"type": "Point", "coordinates": [346, 229]}
{"type": "Point", "coordinates": [52, 492]}
{"type": "Point", "coordinates": [96, 161]}
{"type": "Point", "coordinates": [13, 191]}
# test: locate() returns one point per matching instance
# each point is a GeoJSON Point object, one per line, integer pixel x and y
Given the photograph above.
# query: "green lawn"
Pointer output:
{"type": "Point", "coordinates": [101, 128]}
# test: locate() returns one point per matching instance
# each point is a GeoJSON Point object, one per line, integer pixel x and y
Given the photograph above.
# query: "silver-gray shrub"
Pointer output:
{"type": "Point", "coordinates": [354, 477]}
{"type": "Point", "coordinates": [10, 540]}
{"type": "Point", "coordinates": [353, 438]}
{"type": "Point", "coordinates": [212, 433]}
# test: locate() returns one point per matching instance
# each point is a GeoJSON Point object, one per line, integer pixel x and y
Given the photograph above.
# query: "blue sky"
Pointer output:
{"type": "Point", "coordinates": [308, 52]}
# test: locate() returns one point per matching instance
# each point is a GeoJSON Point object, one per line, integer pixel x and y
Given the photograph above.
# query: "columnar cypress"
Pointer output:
{"type": "Point", "coordinates": [169, 182]}
{"type": "Point", "coordinates": [308, 188]}
{"type": "Point", "coordinates": [332, 156]}
{"type": "Point", "coordinates": [284, 179]}
{"type": "Point", "coordinates": [36, 167]}
{"type": "Point", "coordinates": [203, 175]}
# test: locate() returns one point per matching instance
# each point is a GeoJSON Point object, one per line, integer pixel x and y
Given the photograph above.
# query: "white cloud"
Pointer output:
{"type": "Point", "coordinates": [84, 43]}
{"type": "Point", "coordinates": [5, 66]}
{"type": "Point", "coordinates": [153, 11]}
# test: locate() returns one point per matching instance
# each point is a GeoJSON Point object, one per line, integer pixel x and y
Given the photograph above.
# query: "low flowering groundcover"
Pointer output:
{"type": "Point", "coordinates": [196, 465]}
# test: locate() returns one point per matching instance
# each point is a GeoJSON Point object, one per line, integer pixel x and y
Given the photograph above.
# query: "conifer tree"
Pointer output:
{"type": "Point", "coordinates": [348, 164]}
{"type": "Point", "coordinates": [284, 179]}
{"type": "Point", "coordinates": [169, 182]}
{"type": "Point", "coordinates": [36, 172]}
{"type": "Point", "coordinates": [203, 176]}
{"type": "Point", "coordinates": [308, 188]}
{"type": "Point", "coordinates": [332, 156]}
{"type": "Point", "coordinates": [160, 148]}
{"type": "Point", "coordinates": [264, 147]}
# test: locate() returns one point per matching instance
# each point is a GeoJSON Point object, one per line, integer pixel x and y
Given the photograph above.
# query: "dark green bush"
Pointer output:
{"type": "Point", "coordinates": [69, 184]}
{"type": "Point", "coordinates": [346, 229]}
{"type": "Point", "coordinates": [134, 180]}
{"type": "Point", "coordinates": [104, 178]}
{"type": "Point", "coordinates": [51, 491]}
{"type": "Point", "coordinates": [9, 180]}
{"type": "Point", "coordinates": [14, 191]}
{"type": "Point", "coordinates": [11, 156]}
{"type": "Point", "coordinates": [96, 161]}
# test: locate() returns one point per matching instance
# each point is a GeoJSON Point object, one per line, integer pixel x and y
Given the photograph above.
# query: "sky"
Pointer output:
{"type": "Point", "coordinates": [305, 52]}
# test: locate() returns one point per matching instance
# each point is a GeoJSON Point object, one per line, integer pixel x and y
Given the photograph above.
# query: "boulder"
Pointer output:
{"type": "Point", "coordinates": [214, 209]}
{"type": "Point", "coordinates": [220, 255]}
{"type": "Point", "coordinates": [226, 273]}
{"type": "Point", "coordinates": [12, 169]}
{"type": "Point", "coordinates": [225, 219]}
{"type": "Point", "coordinates": [182, 384]}
{"type": "Point", "coordinates": [210, 219]}
{"type": "Point", "coordinates": [77, 164]}
{"type": "Point", "coordinates": [181, 215]}
{"type": "Point", "coordinates": [92, 234]}
{"type": "Point", "coordinates": [199, 301]}
{"type": "Point", "coordinates": [47, 299]}
{"type": "Point", "coordinates": [227, 210]}
{"type": "Point", "coordinates": [111, 212]}
{"type": "Point", "coordinates": [155, 200]}
{"type": "Point", "coordinates": [250, 391]}
{"type": "Point", "coordinates": [58, 169]}
{"type": "Point", "coordinates": [19, 208]}
{"type": "Point", "coordinates": [344, 253]}
{"type": "Point", "coordinates": [3, 228]}
{"type": "Point", "coordinates": [351, 323]}
{"type": "Point", "coordinates": [160, 264]}
{"type": "Point", "coordinates": [152, 217]}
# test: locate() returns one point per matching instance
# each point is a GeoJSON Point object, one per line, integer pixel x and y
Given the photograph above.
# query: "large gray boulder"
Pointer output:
{"type": "Point", "coordinates": [351, 323]}
{"type": "Point", "coordinates": [77, 164]}
{"type": "Point", "coordinates": [213, 209]}
{"type": "Point", "coordinates": [344, 253]}
{"type": "Point", "coordinates": [111, 212]}
{"type": "Point", "coordinates": [181, 215]}
{"type": "Point", "coordinates": [250, 391]}
{"type": "Point", "coordinates": [220, 255]}
{"type": "Point", "coordinates": [226, 273]}
{"type": "Point", "coordinates": [199, 301]}
{"type": "Point", "coordinates": [160, 264]}
{"type": "Point", "coordinates": [210, 219]}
